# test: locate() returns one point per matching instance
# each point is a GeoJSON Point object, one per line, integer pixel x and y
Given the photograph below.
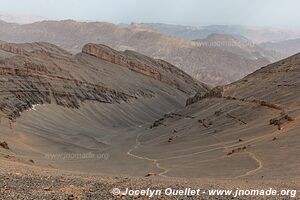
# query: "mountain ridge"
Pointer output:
{"type": "Point", "coordinates": [205, 63]}
{"type": "Point", "coordinates": [48, 69]}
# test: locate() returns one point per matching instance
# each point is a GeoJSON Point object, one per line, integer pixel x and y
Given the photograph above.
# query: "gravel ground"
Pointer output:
{"type": "Point", "coordinates": [24, 181]}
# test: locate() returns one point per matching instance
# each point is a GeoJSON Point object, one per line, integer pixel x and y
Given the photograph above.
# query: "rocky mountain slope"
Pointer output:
{"type": "Point", "coordinates": [156, 69]}
{"type": "Point", "coordinates": [210, 64]}
{"type": "Point", "coordinates": [39, 73]}
{"type": "Point", "coordinates": [242, 130]}
{"type": "Point", "coordinates": [131, 108]}
{"type": "Point", "coordinates": [111, 115]}
{"type": "Point", "coordinates": [80, 103]}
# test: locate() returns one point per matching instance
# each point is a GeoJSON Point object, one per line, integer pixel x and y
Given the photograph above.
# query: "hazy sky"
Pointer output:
{"type": "Point", "coordinates": [189, 12]}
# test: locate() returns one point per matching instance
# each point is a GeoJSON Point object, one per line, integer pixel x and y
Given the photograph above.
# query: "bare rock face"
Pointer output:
{"type": "Point", "coordinates": [33, 83]}
{"type": "Point", "coordinates": [41, 73]}
{"type": "Point", "coordinates": [39, 77]}
{"type": "Point", "coordinates": [156, 69]}
{"type": "Point", "coordinates": [110, 55]}
{"type": "Point", "coordinates": [11, 48]}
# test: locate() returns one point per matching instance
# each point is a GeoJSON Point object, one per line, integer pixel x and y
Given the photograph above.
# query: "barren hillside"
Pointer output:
{"type": "Point", "coordinates": [211, 64]}
{"type": "Point", "coordinates": [123, 114]}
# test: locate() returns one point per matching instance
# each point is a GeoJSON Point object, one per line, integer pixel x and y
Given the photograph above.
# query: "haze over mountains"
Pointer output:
{"type": "Point", "coordinates": [255, 34]}
{"type": "Point", "coordinates": [223, 60]}
{"type": "Point", "coordinates": [285, 48]}
{"type": "Point", "coordinates": [20, 19]}
{"type": "Point", "coordinates": [90, 106]}
{"type": "Point", "coordinates": [127, 115]}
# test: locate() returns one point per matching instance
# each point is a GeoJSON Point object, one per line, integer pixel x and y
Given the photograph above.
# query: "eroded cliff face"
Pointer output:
{"type": "Point", "coordinates": [11, 48]}
{"type": "Point", "coordinates": [40, 73]}
{"type": "Point", "coordinates": [110, 55]}
{"type": "Point", "coordinates": [30, 78]}
{"type": "Point", "coordinates": [23, 87]}
{"type": "Point", "coordinates": [153, 68]}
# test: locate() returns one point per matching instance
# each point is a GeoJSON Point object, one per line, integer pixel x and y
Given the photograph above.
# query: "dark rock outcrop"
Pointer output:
{"type": "Point", "coordinates": [4, 145]}
{"type": "Point", "coordinates": [216, 92]}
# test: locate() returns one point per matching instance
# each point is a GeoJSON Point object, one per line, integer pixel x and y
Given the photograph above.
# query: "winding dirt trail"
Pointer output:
{"type": "Point", "coordinates": [288, 126]}
{"type": "Point", "coordinates": [155, 161]}
{"type": "Point", "coordinates": [251, 172]}
{"type": "Point", "coordinates": [222, 146]}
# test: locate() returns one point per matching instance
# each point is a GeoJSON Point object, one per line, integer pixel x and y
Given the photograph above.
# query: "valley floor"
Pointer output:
{"type": "Point", "coordinates": [23, 181]}
{"type": "Point", "coordinates": [217, 144]}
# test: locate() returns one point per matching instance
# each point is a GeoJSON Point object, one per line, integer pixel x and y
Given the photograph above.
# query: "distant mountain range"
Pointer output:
{"type": "Point", "coordinates": [238, 45]}
{"type": "Point", "coordinates": [255, 34]}
{"type": "Point", "coordinates": [208, 61]}
{"type": "Point", "coordinates": [21, 19]}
